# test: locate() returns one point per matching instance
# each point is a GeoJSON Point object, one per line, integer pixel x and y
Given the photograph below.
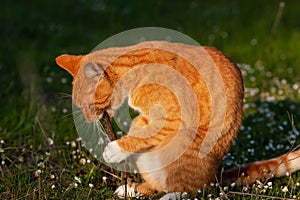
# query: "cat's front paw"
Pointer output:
{"type": "Point", "coordinates": [113, 153]}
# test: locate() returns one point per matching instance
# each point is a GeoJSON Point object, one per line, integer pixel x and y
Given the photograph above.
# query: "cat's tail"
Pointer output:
{"type": "Point", "coordinates": [262, 170]}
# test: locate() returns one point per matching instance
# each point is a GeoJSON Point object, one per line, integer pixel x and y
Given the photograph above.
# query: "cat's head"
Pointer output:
{"type": "Point", "coordinates": [92, 86]}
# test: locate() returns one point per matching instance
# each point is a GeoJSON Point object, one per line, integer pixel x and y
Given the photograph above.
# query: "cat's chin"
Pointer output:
{"type": "Point", "coordinates": [110, 111]}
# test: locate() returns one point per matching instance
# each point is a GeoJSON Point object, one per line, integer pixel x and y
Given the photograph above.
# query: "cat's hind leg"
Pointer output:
{"type": "Point", "coordinates": [145, 189]}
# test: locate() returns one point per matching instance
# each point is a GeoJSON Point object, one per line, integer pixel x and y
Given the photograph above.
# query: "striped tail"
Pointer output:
{"type": "Point", "coordinates": [262, 170]}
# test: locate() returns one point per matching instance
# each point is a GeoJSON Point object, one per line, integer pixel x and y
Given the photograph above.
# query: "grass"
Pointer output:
{"type": "Point", "coordinates": [40, 157]}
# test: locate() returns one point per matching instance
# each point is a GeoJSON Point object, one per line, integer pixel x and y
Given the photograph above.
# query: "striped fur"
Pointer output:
{"type": "Point", "coordinates": [263, 170]}
{"type": "Point", "coordinates": [161, 113]}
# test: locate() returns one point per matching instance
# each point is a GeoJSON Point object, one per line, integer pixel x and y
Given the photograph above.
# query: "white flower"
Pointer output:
{"type": "Point", "coordinates": [184, 195]}
{"type": "Point", "coordinates": [82, 161]}
{"type": "Point", "coordinates": [120, 133]}
{"type": "Point", "coordinates": [222, 193]}
{"type": "Point", "coordinates": [295, 86]}
{"type": "Point", "coordinates": [285, 189]}
{"type": "Point", "coordinates": [53, 109]}
{"type": "Point", "coordinates": [63, 80]}
{"type": "Point", "coordinates": [21, 158]}
{"type": "Point", "coordinates": [283, 81]}
{"type": "Point", "coordinates": [77, 179]}
{"type": "Point", "coordinates": [37, 173]}
{"type": "Point", "coordinates": [50, 141]}
{"type": "Point", "coordinates": [52, 176]}
{"type": "Point", "coordinates": [253, 42]}
{"type": "Point", "coordinates": [91, 185]}
{"type": "Point", "coordinates": [41, 164]}
{"type": "Point", "coordinates": [269, 183]}
{"type": "Point", "coordinates": [53, 186]}
{"type": "Point", "coordinates": [49, 79]}
{"type": "Point", "coordinates": [73, 144]}
{"type": "Point", "coordinates": [287, 173]}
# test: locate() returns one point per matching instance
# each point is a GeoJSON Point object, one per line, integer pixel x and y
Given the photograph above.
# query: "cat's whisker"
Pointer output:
{"type": "Point", "coordinates": [83, 127]}
{"type": "Point", "coordinates": [69, 114]}
{"type": "Point", "coordinates": [75, 112]}
{"type": "Point", "coordinates": [99, 125]}
{"type": "Point", "coordinates": [64, 96]}
{"type": "Point", "coordinates": [100, 128]}
{"type": "Point", "coordinates": [79, 120]}
{"type": "Point", "coordinates": [96, 129]}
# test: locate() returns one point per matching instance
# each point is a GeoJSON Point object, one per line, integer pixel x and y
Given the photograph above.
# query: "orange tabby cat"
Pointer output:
{"type": "Point", "coordinates": [174, 123]}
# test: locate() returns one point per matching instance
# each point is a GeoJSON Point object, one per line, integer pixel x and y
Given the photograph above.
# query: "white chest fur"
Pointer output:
{"type": "Point", "coordinates": [151, 164]}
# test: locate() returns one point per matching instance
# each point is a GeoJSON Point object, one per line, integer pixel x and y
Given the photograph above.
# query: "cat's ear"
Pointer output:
{"type": "Point", "coordinates": [71, 63]}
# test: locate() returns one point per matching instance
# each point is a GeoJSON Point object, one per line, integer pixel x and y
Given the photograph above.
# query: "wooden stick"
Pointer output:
{"type": "Point", "coordinates": [108, 127]}
{"type": "Point", "coordinates": [112, 136]}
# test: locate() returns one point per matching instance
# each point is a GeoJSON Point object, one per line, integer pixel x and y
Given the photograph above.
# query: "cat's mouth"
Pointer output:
{"type": "Point", "coordinates": [96, 115]}
{"type": "Point", "coordinates": [92, 115]}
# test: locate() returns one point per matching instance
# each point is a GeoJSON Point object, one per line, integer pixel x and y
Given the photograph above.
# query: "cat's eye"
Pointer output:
{"type": "Point", "coordinates": [91, 70]}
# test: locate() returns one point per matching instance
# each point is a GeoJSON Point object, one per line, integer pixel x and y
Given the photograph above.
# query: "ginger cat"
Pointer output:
{"type": "Point", "coordinates": [187, 118]}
